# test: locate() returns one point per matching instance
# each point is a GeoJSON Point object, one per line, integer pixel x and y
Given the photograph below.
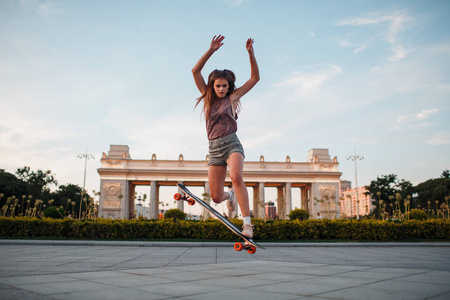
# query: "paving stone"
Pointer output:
{"type": "Point", "coordinates": [434, 277]}
{"type": "Point", "coordinates": [180, 289]}
{"type": "Point", "coordinates": [242, 294]}
{"type": "Point", "coordinates": [62, 287]}
{"type": "Point", "coordinates": [425, 289]}
{"type": "Point", "coordinates": [444, 296]}
{"type": "Point", "coordinates": [133, 281]}
{"type": "Point", "coordinates": [93, 271]}
{"type": "Point", "coordinates": [20, 280]}
{"type": "Point", "coordinates": [358, 293]}
{"type": "Point", "coordinates": [341, 282]}
{"type": "Point", "coordinates": [296, 288]}
{"type": "Point", "coordinates": [14, 294]}
{"type": "Point", "coordinates": [110, 294]}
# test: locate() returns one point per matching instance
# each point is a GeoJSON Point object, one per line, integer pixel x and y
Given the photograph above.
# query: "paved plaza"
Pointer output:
{"type": "Point", "coordinates": [126, 270]}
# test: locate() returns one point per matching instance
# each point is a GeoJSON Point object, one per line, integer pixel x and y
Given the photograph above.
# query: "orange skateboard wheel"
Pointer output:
{"type": "Point", "coordinates": [251, 250]}
{"type": "Point", "coordinates": [177, 197]}
{"type": "Point", "coordinates": [191, 201]}
{"type": "Point", "coordinates": [238, 246]}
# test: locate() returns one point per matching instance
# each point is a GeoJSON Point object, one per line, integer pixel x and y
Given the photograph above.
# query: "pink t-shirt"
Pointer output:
{"type": "Point", "coordinates": [221, 121]}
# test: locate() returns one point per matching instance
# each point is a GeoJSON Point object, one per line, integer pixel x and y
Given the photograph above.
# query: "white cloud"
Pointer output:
{"type": "Point", "coordinates": [425, 114]}
{"type": "Point", "coordinates": [415, 121]}
{"type": "Point", "coordinates": [234, 2]}
{"type": "Point", "coordinates": [439, 138]}
{"type": "Point", "coordinates": [346, 44]}
{"type": "Point", "coordinates": [20, 131]}
{"type": "Point", "coordinates": [443, 48]}
{"type": "Point", "coordinates": [403, 77]}
{"type": "Point", "coordinates": [167, 136]}
{"type": "Point", "coordinates": [359, 49]}
{"type": "Point", "coordinates": [312, 34]}
{"type": "Point", "coordinates": [397, 22]}
{"type": "Point", "coordinates": [399, 53]}
{"type": "Point", "coordinates": [306, 84]}
{"type": "Point", "coordinates": [42, 8]}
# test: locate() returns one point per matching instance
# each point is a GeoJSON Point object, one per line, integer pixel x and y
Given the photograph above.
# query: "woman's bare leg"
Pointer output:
{"type": "Point", "coordinates": [236, 166]}
{"type": "Point", "coordinates": [216, 178]}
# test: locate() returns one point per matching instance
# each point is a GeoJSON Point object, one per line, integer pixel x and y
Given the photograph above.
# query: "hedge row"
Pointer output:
{"type": "Point", "coordinates": [367, 230]}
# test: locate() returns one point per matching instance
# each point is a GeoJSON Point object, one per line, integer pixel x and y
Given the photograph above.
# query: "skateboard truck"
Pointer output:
{"type": "Point", "coordinates": [250, 248]}
{"type": "Point", "coordinates": [184, 197]}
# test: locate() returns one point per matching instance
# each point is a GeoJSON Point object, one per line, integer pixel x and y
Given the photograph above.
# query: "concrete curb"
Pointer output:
{"type": "Point", "coordinates": [214, 244]}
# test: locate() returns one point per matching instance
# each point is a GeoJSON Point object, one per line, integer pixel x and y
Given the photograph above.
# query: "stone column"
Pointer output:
{"type": "Point", "coordinates": [130, 207]}
{"type": "Point", "coordinates": [304, 197]}
{"type": "Point", "coordinates": [287, 199]}
{"type": "Point", "coordinates": [281, 202]}
{"type": "Point", "coordinates": [262, 201]}
{"type": "Point", "coordinates": [256, 207]}
{"type": "Point", "coordinates": [180, 204]}
{"type": "Point", "coordinates": [154, 203]}
{"type": "Point", "coordinates": [206, 214]}
{"type": "Point", "coordinates": [313, 197]}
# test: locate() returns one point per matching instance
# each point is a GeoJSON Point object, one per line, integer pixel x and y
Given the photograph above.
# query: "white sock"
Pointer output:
{"type": "Point", "coordinates": [231, 196]}
{"type": "Point", "coordinates": [247, 220]}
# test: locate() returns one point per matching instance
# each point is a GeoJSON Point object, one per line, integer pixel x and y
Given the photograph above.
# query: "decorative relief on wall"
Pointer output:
{"type": "Point", "coordinates": [112, 192]}
{"type": "Point", "coordinates": [328, 195]}
{"type": "Point", "coordinates": [326, 166]}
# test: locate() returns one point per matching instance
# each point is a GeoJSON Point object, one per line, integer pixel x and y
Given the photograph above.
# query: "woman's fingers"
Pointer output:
{"type": "Point", "coordinates": [218, 38]}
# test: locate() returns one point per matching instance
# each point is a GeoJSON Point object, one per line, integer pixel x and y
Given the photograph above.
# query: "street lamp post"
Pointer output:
{"type": "Point", "coordinates": [86, 156]}
{"type": "Point", "coordinates": [354, 158]}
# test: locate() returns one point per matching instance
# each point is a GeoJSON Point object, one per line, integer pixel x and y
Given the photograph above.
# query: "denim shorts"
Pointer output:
{"type": "Point", "coordinates": [220, 149]}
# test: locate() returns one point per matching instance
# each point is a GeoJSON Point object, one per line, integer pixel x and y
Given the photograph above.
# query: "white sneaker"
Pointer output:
{"type": "Point", "coordinates": [247, 230]}
{"type": "Point", "coordinates": [231, 204]}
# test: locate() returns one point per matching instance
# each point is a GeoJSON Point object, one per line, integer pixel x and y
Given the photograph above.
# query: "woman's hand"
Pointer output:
{"type": "Point", "coordinates": [249, 46]}
{"type": "Point", "coordinates": [216, 43]}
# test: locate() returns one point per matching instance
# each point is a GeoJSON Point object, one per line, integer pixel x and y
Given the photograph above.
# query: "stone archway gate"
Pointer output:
{"type": "Point", "coordinates": [318, 179]}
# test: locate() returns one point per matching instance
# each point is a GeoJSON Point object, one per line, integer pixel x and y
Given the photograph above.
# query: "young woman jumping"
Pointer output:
{"type": "Point", "coordinates": [221, 104]}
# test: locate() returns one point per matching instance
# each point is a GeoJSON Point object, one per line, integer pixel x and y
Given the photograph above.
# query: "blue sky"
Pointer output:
{"type": "Point", "coordinates": [371, 77]}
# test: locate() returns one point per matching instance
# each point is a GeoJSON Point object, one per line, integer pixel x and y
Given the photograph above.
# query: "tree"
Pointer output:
{"type": "Point", "coordinates": [445, 174]}
{"type": "Point", "coordinates": [432, 190]}
{"type": "Point", "coordinates": [38, 182]}
{"type": "Point", "coordinates": [10, 186]}
{"type": "Point", "coordinates": [175, 214]}
{"type": "Point", "coordinates": [54, 212]}
{"type": "Point", "coordinates": [299, 214]}
{"type": "Point", "coordinates": [66, 194]}
{"type": "Point", "coordinates": [386, 188]}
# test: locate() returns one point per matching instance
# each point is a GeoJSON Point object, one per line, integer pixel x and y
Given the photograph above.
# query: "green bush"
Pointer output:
{"type": "Point", "coordinates": [417, 214]}
{"type": "Point", "coordinates": [351, 230]}
{"type": "Point", "coordinates": [54, 212]}
{"type": "Point", "coordinates": [299, 214]}
{"type": "Point", "coordinates": [175, 214]}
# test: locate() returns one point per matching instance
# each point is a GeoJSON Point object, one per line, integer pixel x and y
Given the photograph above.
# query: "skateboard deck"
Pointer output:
{"type": "Point", "coordinates": [249, 245]}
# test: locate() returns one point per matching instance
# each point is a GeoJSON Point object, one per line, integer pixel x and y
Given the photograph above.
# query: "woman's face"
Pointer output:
{"type": "Point", "coordinates": [221, 87]}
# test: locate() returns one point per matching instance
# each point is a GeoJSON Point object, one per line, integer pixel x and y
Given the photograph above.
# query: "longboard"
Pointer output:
{"type": "Point", "coordinates": [249, 245]}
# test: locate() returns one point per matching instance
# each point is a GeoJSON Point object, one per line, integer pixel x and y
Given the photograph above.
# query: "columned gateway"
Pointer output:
{"type": "Point", "coordinates": [317, 178]}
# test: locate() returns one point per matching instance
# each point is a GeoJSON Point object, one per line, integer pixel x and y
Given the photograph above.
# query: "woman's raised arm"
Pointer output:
{"type": "Point", "coordinates": [216, 43]}
{"type": "Point", "coordinates": [254, 77]}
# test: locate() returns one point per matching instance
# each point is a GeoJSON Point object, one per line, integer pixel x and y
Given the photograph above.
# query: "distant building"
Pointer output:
{"type": "Point", "coordinates": [141, 211]}
{"type": "Point", "coordinates": [270, 211]}
{"type": "Point", "coordinates": [348, 203]}
{"type": "Point", "coordinates": [344, 185]}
